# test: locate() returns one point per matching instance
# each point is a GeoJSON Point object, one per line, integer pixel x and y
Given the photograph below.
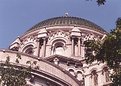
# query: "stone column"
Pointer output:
{"type": "Point", "coordinates": [38, 47]}
{"type": "Point", "coordinates": [82, 48]}
{"type": "Point", "coordinates": [44, 47]}
{"type": "Point", "coordinates": [79, 46]}
{"type": "Point", "coordinates": [72, 47]}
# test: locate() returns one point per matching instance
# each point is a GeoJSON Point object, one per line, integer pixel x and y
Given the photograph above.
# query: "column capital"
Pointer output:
{"type": "Point", "coordinates": [76, 37]}
{"type": "Point", "coordinates": [73, 36]}
{"type": "Point", "coordinates": [44, 38]}
{"type": "Point", "coordinates": [79, 37]}
{"type": "Point", "coordinates": [37, 39]}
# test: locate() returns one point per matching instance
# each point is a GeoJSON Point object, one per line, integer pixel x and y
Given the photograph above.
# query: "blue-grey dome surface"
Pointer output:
{"type": "Point", "coordinates": [61, 21]}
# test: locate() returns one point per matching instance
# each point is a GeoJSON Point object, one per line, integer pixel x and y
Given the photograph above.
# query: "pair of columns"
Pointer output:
{"type": "Point", "coordinates": [73, 46]}
{"type": "Point", "coordinates": [39, 47]}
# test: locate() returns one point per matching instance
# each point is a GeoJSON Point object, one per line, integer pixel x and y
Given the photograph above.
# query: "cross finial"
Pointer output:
{"type": "Point", "coordinates": [66, 14]}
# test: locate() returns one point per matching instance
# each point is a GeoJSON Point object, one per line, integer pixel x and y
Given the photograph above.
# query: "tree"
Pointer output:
{"type": "Point", "coordinates": [13, 75]}
{"type": "Point", "coordinates": [108, 50]}
{"type": "Point", "coordinates": [101, 2]}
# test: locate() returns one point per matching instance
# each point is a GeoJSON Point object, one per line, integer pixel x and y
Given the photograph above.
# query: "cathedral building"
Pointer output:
{"type": "Point", "coordinates": [57, 45]}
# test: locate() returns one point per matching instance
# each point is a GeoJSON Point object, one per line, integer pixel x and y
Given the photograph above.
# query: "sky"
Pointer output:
{"type": "Point", "coordinates": [17, 16]}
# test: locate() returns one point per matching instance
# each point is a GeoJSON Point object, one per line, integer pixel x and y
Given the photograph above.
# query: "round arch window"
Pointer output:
{"type": "Point", "coordinates": [72, 72]}
{"type": "Point", "coordinates": [79, 75]}
{"type": "Point", "coordinates": [29, 49]}
{"type": "Point", "coordinates": [59, 48]}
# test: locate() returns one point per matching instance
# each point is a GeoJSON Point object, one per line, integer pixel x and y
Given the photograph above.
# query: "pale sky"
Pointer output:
{"type": "Point", "coordinates": [17, 16]}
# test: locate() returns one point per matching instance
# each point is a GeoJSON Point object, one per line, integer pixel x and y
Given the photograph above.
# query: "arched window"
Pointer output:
{"type": "Point", "coordinates": [72, 72]}
{"type": "Point", "coordinates": [58, 47]}
{"type": "Point", "coordinates": [94, 78]}
{"type": "Point", "coordinates": [29, 49]}
{"type": "Point", "coordinates": [106, 74]}
{"type": "Point", "coordinates": [79, 75]}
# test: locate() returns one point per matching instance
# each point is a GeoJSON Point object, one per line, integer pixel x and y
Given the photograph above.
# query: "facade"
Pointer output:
{"type": "Point", "coordinates": [57, 45]}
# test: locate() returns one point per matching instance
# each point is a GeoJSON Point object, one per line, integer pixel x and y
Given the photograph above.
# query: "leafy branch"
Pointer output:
{"type": "Point", "coordinates": [108, 51]}
{"type": "Point", "coordinates": [13, 75]}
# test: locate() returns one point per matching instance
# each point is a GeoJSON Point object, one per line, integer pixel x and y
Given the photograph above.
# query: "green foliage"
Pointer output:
{"type": "Point", "coordinates": [109, 51]}
{"type": "Point", "coordinates": [12, 75]}
{"type": "Point", "coordinates": [116, 76]}
{"type": "Point", "coordinates": [118, 23]}
{"type": "Point", "coordinates": [101, 2]}
{"type": "Point", "coordinates": [92, 48]}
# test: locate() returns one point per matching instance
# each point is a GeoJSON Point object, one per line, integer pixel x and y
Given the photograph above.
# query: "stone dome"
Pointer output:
{"type": "Point", "coordinates": [67, 21]}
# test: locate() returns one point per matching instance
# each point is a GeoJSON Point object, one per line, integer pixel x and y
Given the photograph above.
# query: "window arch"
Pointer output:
{"type": "Point", "coordinates": [80, 75]}
{"type": "Point", "coordinates": [29, 50]}
{"type": "Point", "coordinates": [58, 47]}
{"type": "Point", "coordinates": [72, 72]}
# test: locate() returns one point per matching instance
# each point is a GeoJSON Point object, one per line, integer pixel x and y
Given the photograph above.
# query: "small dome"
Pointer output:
{"type": "Point", "coordinates": [67, 20]}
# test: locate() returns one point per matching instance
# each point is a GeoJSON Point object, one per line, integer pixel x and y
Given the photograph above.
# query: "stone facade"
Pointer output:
{"type": "Point", "coordinates": [57, 44]}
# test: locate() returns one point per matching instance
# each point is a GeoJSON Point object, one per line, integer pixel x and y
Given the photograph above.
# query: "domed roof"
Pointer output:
{"type": "Point", "coordinates": [67, 20]}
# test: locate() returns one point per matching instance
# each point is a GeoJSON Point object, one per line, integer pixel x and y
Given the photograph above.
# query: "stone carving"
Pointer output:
{"type": "Point", "coordinates": [58, 34]}
{"type": "Point", "coordinates": [106, 74]}
{"type": "Point", "coordinates": [94, 77]}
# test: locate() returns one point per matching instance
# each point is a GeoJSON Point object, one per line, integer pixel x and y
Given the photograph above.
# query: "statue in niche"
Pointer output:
{"type": "Point", "coordinates": [94, 77]}
{"type": "Point", "coordinates": [106, 74]}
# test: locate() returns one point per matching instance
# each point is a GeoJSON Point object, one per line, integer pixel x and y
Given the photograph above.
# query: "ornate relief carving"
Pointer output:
{"type": "Point", "coordinates": [58, 34]}
{"type": "Point", "coordinates": [90, 36]}
{"type": "Point", "coordinates": [31, 38]}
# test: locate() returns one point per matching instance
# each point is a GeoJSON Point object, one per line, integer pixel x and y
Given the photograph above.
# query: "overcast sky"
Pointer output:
{"type": "Point", "coordinates": [17, 16]}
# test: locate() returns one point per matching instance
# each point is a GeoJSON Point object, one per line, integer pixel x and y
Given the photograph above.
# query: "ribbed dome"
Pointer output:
{"type": "Point", "coordinates": [61, 21]}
